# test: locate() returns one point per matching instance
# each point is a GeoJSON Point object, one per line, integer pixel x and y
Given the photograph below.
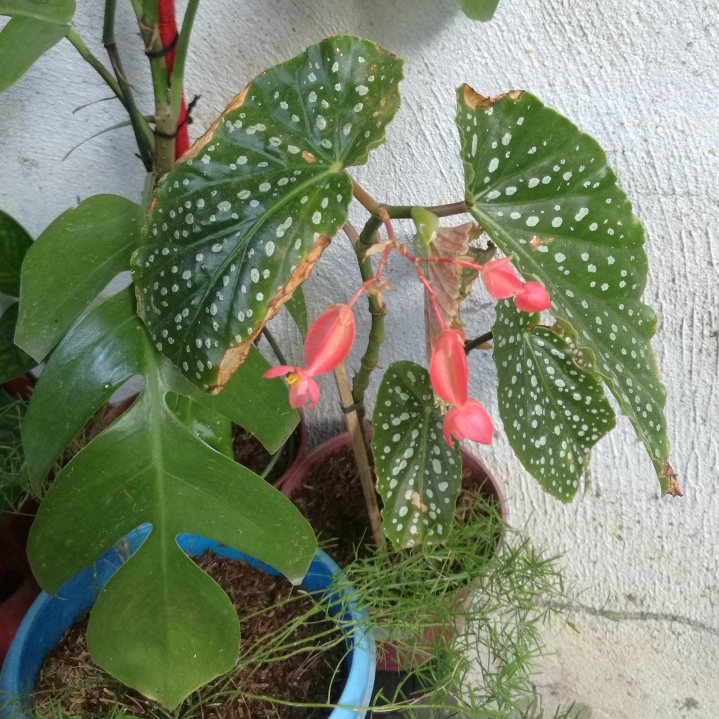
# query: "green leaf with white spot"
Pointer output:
{"type": "Point", "coordinates": [240, 224]}
{"type": "Point", "coordinates": [181, 630]}
{"type": "Point", "coordinates": [419, 474]}
{"type": "Point", "coordinates": [480, 9]}
{"type": "Point", "coordinates": [544, 192]}
{"type": "Point", "coordinates": [552, 405]}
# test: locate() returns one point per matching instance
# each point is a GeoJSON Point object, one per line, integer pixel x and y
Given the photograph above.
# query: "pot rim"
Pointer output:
{"type": "Point", "coordinates": [358, 687]}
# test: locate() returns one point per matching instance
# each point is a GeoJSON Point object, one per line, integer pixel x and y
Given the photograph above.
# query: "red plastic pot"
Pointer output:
{"type": "Point", "coordinates": [388, 658]}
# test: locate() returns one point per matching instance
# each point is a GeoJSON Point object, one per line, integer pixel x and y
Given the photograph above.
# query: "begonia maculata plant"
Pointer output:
{"type": "Point", "coordinates": [224, 237]}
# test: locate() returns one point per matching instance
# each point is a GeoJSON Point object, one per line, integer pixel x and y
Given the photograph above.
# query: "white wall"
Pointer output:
{"type": "Point", "coordinates": [642, 78]}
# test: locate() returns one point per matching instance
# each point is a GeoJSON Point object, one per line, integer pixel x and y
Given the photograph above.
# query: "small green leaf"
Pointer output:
{"type": "Point", "coordinates": [419, 473]}
{"type": "Point", "coordinates": [297, 307]}
{"type": "Point", "coordinates": [100, 353]}
{"type": "Point", "coordinates": [544, 192]}
{"type": "Point", "coordinates": [238, 226]}
{"type": "Point", "coordinates": [14, 243]}
{"type": "Point", "coordinates": [553, 407]}
{"type": "Point", "coordinates": [13, 361]}
{"type": "Point", "coordinates": [180, 630]}
{"type": "Point", "coordinates": [22, 41]}
{"type": "Point", "coordinates": [68, 265]}
{"type": "Point", "coordinates": [480, 9]}
{"type": "Point", "coordinates": [427, 224]}
{"type": "Point", "coordinates": [54, 11]}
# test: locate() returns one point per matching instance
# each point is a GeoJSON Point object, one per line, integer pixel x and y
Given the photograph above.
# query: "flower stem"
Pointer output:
{"type": "Point", "coordinates": [469, 345]}
{"type": "Point", "coordinates": [377, 309]}
{"type": "Point", "coordinates": [403, 212]}
{"type": "Point", "coordinates": [356, 430]}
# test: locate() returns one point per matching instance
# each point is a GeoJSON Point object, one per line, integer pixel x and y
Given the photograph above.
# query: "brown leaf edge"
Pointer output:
{"type": "Point", "coordinates": [474, 100]}
{"type": "Point", "coordinates": [235, 356]}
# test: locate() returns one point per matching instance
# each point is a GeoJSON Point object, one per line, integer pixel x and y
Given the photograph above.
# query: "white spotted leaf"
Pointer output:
{"type": "Point", "coordinates": [419, 474]}
{"type": "Point", "coordinates": [552, 405]}
{"type": "Point", "coordinates": [544, 193]}
{"type": "Point", "coordinates": [237, 226]}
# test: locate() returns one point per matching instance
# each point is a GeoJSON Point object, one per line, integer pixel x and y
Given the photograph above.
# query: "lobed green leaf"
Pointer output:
{"type": "Point", "coordinates": [544, 192]}
{"type": "Point", "coordinates": [70, 263]}
{"type": "Point", "coordinates": [180, 631]}
{"type": "Point", "coordinates": [106, 347]}
{"type": "Point", "coordinates": [552, 405]}
{"type": "Point", "coordinates": [419, 474]}
{"type": "Point", "coordinates": [238, 226]}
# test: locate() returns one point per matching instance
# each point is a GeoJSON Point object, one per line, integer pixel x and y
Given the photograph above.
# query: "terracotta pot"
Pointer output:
{"type": "Point", "coordinates": [388, 658]}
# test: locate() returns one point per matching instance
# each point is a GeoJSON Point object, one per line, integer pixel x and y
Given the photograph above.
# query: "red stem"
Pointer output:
{"type": "Point", "coordinates": [168, 32]}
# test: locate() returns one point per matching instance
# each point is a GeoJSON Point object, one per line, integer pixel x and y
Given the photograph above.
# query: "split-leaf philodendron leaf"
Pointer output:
{"type": "Point", "coordinates": [553, 407]}
{"type": "Point", "coordinates": [104, 349]}
{"type": "Point", "coordinates": [544, 192]}
{"type": "Point", "coordinates": [237, 226]}
{"type": "Point", "coordinates": [160, 625]}
{"type": "Point", "coordinates": [419, 474]}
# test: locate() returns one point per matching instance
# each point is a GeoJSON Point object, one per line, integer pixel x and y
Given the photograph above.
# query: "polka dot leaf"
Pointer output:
{"type": "Point", "coordinates": [419, 473]}
{"type": "Point", "coordinates": [544, 193]}
{"type": "Point", "coordinates": [239, 224]}
{"type": "Point", "coordinates": [553, 407]}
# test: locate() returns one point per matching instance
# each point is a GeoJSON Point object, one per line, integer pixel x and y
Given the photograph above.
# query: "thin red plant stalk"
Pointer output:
{"type": "Point", "coordinates": [168, 32]}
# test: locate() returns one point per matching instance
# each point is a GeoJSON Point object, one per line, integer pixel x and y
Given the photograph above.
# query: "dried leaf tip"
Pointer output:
{"type": "Point", "coordinates": [672, 482]}
{"type": "Point", "coordinates": [476, 101]}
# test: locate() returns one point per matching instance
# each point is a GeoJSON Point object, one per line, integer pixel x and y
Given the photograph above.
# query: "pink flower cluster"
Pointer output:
{"type": "Point", "coordinates": [330, 338]}
{"type": "Point", "coordinates": [502, 282]}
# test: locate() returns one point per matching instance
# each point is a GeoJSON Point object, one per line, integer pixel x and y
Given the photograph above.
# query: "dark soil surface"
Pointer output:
{"type": "Point", "coordinates": [303, 677]}
{"type": "Point", "coordinates": [331, 499]}
{"type": "Point", "coordinates": [249, 451]}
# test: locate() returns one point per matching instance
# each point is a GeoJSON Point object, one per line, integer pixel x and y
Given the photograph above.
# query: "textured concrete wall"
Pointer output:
{"type": "Point", "coordinates": [641, 77]}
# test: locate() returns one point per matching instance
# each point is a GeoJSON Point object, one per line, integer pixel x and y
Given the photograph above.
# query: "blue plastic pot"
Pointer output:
{"type": "Point", "coordinates": [49, 617]}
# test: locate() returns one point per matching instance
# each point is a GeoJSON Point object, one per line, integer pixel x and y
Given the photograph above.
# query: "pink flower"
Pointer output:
{"type": "Point", "coordinates": [328, 342]}
{"type": "Point", "coordinates": [500, 279]}
{"type": "Point", "coordinates": [532, 298]}
{"type": "Point", "coordinates": [448, 370]}
{"type": "Point", "coordinates": [303, 388]}
{"type": "Point", "coordinates": [449, 375]}
{"type": "Point", "coordinates": [470, 421]}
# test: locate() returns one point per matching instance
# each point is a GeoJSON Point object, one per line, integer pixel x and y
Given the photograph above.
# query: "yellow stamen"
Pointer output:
{"type": "Point", "coordinates": [292, 379]}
